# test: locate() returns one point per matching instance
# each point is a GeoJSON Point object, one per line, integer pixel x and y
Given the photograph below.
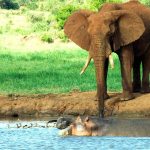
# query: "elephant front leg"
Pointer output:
{"type": "Point", "coordinates": [106, 96]}
{"type": "Point", "coordinates": [126, 61]}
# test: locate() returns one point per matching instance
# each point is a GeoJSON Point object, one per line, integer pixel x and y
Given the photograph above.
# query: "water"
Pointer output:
{"type": "Point", "coordinates": [48, 139]}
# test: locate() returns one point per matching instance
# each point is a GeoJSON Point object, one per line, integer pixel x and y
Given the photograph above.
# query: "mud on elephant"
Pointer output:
{"type": "Point", "coordinates": [119, 28]}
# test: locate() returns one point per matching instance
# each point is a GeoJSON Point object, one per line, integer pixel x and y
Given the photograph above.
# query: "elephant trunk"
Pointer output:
{"type": "Point", "coordinates": [99, 51]}
{"type": "Point", "coordinates": [99, 68]}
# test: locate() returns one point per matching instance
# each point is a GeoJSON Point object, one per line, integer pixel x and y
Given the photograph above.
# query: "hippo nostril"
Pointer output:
{"type": "Point", "coordinates": [15, 115]}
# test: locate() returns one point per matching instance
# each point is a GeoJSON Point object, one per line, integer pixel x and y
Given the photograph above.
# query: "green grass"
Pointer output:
{"type": "Point", "coordinates": [50, 72]}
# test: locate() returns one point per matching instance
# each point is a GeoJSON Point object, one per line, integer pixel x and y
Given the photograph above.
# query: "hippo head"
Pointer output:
{"type": "Point", "coordinates": [80, 127]}
{"type": "Point", "coordinates": [63, 123]}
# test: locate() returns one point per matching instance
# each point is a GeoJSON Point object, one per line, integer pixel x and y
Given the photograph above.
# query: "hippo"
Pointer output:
{"type": "Point", "coordinates": [89, 126]}
{"type": "Point", "coordinates": [61, 122]}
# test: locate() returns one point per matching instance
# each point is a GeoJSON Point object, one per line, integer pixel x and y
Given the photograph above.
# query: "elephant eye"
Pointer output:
{"type": "Point", "coordinates": [73, 21]}
{"type": "Point", "coordinates": [109, 33]}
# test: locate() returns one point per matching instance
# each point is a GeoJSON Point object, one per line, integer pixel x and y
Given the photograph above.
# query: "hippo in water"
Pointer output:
{"type": "Point", "coordinates": [108, 127]}
{"type": "Point", "coordinates": [61, 122]}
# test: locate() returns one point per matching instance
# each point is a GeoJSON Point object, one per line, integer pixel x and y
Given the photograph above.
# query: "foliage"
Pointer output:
{"type": "Point", "coordinates": [35, 17]}
{"type": "Point", "coordinates": [95, 4]}
{"type": "Point", "coordinates": [40, 21]}
{"type": "Point", "coordinates": [62, 36]}
{"type": "Point", "coordinates": [146, 2]}
{"type": "Point", "coordinates": [47, 15]}
{"type": "Point", "coordinates": [8, 4]}
{"type": "Point", "coordinates": [30, 4]}
{"type": "Point", "coordinates": [63, 13]}
{"type": "Point", "coordinates": [47, 38]}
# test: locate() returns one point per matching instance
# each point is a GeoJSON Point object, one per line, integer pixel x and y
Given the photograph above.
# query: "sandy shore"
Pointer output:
{"type": "Point", "coordinates": [76, 103]}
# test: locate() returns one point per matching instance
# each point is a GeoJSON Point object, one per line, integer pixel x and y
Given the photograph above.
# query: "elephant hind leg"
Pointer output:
{"type": "Point", "coordinates": [126, 57]}
{"type": "Point", "coordinates": [146, 73]}
{"type": "Point", "coordinates": [136, 75]}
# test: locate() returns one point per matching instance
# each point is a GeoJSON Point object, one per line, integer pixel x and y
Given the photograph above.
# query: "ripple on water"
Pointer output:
{"type": "Point", "coordinates": [47, 138]}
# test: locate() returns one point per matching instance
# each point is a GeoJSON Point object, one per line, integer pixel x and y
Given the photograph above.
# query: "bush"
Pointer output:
{"type": "Point", "coordinates": [96, 4]}
{"type": "Point", "coordinates": [47, 38]}
{"type": "Point", "coordinates": [40, 26]}
{"type": "Point", "coordinates": [62, 36]}
{"type": "Point", "coordinates": [146, 2]}
{"type": "Point", "coordinates": [63, 13]}
{"type": "Point", "coordinates": [35, 17]}
{"type": "Point", "coordinates": [8, 4]}
{"type": "Point", "coordinates": [30, 4]}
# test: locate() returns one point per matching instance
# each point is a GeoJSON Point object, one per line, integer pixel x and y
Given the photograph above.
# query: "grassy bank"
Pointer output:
{"type": "Point", "coordinates": [55, 71]}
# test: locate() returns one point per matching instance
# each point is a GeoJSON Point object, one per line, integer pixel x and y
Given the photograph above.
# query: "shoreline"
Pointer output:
{"type": "Point", "coordinates": [72, 104]}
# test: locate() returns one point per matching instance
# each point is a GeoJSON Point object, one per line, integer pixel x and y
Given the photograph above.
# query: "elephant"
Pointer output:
{"type": "Point", "coordinates": [108, 127]}
{"type": "Point", "coordinates": [119, 28]}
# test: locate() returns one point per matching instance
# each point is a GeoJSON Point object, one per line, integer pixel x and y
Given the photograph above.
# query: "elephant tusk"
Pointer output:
{"type": "Point", "coordinates": [86, 64]}
{"type": "Point", "coordinates": [111, 61]}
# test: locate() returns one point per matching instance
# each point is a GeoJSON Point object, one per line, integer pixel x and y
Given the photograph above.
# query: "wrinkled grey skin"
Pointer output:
{"type": "Point", "coordinates": [108, 127]}
{"type": "Point", "coordinates": [62, 122]}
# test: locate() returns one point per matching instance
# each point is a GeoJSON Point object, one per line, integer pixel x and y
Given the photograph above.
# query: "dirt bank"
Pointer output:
{"type": "Point", "coordinates": [82, 103]}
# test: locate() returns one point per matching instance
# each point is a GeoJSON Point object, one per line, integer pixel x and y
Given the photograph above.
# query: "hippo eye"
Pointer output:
{"type": "Point", "coordinates": [80, 128]}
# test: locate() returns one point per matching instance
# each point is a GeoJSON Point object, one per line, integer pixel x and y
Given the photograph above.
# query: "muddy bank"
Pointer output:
{"type": "Point", "coordinates": [82, 103]}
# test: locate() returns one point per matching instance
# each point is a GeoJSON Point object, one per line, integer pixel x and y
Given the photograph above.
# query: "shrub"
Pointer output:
{"type": "Point", "coordinates": [62, 36]}
{"type": "Point", "coordinates": [8, 4]}
{"type": "Point", "coordinates": [63, 13]}
{"type": "Point", "coordinates": [47, 38]}
{"type": "Point", "coordinates": [35, 17]}
{"type": "Point", "coordinates": [146, 2]}
{"type": "Point", "coordinates": [40, 26]}
{"type": "Point", "coordinates": [96, 4]}
{"type": "Point", "coordinates": [30, 4]}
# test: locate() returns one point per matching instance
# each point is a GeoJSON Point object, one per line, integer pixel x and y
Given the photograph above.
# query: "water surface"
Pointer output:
{"type": "Point", "coordinates": [34, 138]}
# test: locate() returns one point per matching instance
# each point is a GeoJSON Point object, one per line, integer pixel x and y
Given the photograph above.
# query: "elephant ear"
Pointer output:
{"type": "Point", "coordinates": [129, 27]}
{"type": "Point", "coordinates": [76, 28]}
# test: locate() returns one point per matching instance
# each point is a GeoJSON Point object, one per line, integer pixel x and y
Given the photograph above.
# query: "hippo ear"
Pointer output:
{"type": "Point", "coordinates": [78, 119]}
{"type": "Point", "coordinates": [76, 28]}
{"type": "Point", "coordinates": [87, 119]}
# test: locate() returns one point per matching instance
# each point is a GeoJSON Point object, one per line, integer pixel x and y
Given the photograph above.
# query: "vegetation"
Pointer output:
{"type": "Point", "coordinates": [47, 15]}
{"type": "Point", "coordinates": [9, 4]}
{"type": "Point", "coordinates": [50, 72]}
{"type": "Point", "coordinates": [47, 38]}
{"type": "Point", "coordinates": [54, 70]}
